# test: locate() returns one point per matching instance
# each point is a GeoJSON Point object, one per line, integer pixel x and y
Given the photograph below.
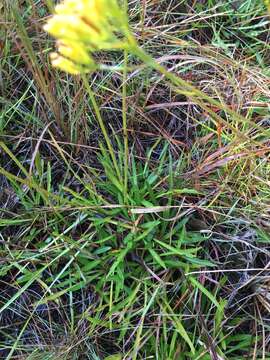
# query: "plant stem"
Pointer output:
{"type": "Point", "coordinates": [101, 124]}
{"type": "Point", "coordinates": [206, 102]}
{"type": "Point", "coordinates": [124, 115]}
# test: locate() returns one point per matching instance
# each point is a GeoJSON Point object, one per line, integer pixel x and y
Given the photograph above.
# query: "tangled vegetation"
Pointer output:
{"type": "Point", "coordinates": [134, 178]}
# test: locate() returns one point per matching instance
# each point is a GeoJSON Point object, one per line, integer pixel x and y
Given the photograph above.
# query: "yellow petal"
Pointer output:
{"type": "Point", "coordinates": [70, 27]}
{"type": "Point", "coordinates": [84, 26]}
{"type": "Point", "coordinates": [90, 10]}
{"type": "Point", "coordinates": [75, 52]}
{"type": "Point", "coordinates": [64, 64]}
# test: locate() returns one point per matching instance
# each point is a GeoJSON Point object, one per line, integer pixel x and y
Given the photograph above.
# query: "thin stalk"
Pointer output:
{"type": "Point", "coordinates": [124, 116]}
{"type": "Point", "coordinates": [101, 124]}
{"type": "Point", "coordinates": [202, 99]}
{"type": "Point", "coordinates": [124, 112]}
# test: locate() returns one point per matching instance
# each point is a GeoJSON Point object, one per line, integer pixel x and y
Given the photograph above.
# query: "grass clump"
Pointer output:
{"type": "Point", "coordinates": [134, 200]}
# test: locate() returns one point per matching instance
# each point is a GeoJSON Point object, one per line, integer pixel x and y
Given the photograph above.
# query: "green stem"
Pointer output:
{"type": "Point", "coordinates": [101, 124]}
{"type": "Point", "coordinates": [185, 88]}
{"type": "Point", "coordinates": [124, 115]}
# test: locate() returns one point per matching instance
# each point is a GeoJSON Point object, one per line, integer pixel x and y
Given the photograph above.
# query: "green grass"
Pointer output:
{"type": "Point", "coordinates": [152, 243]}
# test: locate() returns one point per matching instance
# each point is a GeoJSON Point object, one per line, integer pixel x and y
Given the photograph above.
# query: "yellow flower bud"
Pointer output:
{"type": "Point", "coordinates": [75, 52]}
{"type": "Point", "coordinates": [70, 27]}
{"type": "Point", "coordinates": [83, 26]}
{"type": "Point", "coordinates": [65, 64]}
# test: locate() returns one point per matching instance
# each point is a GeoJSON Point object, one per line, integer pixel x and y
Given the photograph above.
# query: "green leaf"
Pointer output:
{"type": "Point", "coordinates": [198, 285]}
{"type": "Point", "coordinates": [157, 258]}
{"type": "Point", "coordinates": [175, 251]}
{"type": "Point", "coordinates": [120, 257]}
{"type": "Point", "coordinates": [178, 326]}
{"type": "Point", "coordinates": [114, 357]}
{"type": "Point", "coordinates": [184, 191]}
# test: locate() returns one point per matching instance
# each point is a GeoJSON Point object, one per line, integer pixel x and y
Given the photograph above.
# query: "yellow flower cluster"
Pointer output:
{"type": "Point", "coordinates": [82, 27]}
